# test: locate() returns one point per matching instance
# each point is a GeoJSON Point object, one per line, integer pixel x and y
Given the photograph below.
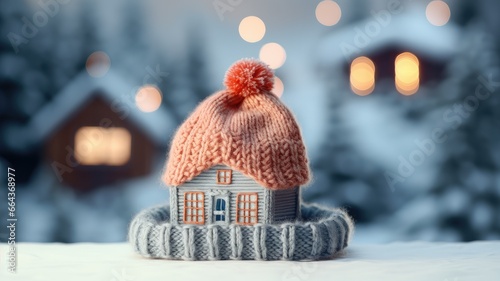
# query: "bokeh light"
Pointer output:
{"type": "Point", "coordinates": [278, 87]}
{"type": "Point", "coordinates": [438, 12]}
{"type": "Point", "coordinates": [98, 64]}
{"type": "Point", "coordinates": [148, 98]}
{"type": "Point", "coordinates": [328, 12]}
{"type": "Point", "coordinates": [273, 54]}
{"type": "Point", "coordinates": [407, 73]}
{"type": "Point", "coordinates": [252, 29]}
{"type": "Point", "coordinates": [362, 76]}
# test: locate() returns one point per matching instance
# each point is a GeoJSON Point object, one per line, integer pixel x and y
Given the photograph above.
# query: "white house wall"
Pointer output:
{"type": "Point", "coordinates": [206, 182]}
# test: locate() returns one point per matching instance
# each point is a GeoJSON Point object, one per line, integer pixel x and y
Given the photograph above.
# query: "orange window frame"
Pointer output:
{"type": "Point", "coordinates": [224, 176]}
{"type": "Point", "coordinates": [194, 208]}
{"type": "Point", "coordinates": [244, 208]}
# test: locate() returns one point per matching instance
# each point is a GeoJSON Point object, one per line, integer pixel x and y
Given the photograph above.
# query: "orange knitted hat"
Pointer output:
{"type": "Point", "coordinates": [245, 127]}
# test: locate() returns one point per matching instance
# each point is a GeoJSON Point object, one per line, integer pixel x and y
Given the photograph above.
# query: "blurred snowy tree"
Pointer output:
{"type": "Point", "coordinates": [464, 202]}
{"type": "Point", "coordinates": [133, 53]}
{"type": "Point", "coordinates": [32, 70]}
{"type": "Point", "coordinates": [342, 175]}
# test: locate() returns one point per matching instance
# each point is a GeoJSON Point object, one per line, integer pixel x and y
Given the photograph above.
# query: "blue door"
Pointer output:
{"type": "Point", "coordinates": [219, 211]}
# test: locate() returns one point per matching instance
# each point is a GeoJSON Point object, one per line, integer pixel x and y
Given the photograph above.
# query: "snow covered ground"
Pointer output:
{"type": "Point", "coordinates": [397, 261]}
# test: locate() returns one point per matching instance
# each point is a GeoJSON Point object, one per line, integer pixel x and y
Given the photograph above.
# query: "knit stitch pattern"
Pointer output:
{"type": "Point", "coordinates": [256, 134]}
{"type": "Point", "coordinates": [320, 234]}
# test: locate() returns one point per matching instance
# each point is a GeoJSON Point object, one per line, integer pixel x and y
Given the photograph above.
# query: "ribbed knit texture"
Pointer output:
{"type": "Point", "coordinates": [320, 234]}
{"type": "Point", "coordinates": [250, 130]}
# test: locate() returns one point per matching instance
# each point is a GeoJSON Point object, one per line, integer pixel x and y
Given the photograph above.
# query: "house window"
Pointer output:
{"type": "Point", "coordinates": [102, 146]}
{"type": "Point", "coordinates": [246, 208]}
{"type": "Point", "coordinates": [194, 208]}
{"type": "Point", "coordinates": [224, 176]}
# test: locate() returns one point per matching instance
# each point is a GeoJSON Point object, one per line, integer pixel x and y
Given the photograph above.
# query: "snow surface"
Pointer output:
{"type": "Point", "coordinates": [397, 261]}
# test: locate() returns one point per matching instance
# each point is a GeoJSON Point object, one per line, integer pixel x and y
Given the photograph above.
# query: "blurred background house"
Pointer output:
{"type": "Point", "coordinates": [397, 102]}
{"type": "Point", "coordinates": [92, 137]}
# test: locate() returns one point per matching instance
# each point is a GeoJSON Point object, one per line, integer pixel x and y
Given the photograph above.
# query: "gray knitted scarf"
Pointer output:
{"type": "Point", "coordinates": [319, 234]}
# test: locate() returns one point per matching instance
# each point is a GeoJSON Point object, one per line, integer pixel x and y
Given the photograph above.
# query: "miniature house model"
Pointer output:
{"type": "Point", "coordinates": [239, 158]}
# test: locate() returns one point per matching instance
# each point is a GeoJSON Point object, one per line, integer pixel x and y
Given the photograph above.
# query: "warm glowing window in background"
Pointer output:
{"type": "Point", "coordinates": [362, 76]}
{"type": "Point", "coordinates": [407, 73]}
{"type": "Point", "coordinates": [102, 146]}
{"type": "Point", "coordinates": [148, 98]}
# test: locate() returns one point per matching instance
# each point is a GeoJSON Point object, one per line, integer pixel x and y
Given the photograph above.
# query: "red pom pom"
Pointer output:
{"type": "Point", "coordinates": [249, 77]}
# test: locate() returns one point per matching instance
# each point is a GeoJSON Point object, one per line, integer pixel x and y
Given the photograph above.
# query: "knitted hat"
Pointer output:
{"type": "Point", "coordinates": [245, 127]}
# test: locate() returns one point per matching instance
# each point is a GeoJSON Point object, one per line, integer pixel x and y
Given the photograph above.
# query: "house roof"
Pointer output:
{"type": "Point", "coordinates": [159, 125]}
{"type": "Point", "coordinates": [408, 30]}
{"type": "Point", "coordinates": [259, 137]}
